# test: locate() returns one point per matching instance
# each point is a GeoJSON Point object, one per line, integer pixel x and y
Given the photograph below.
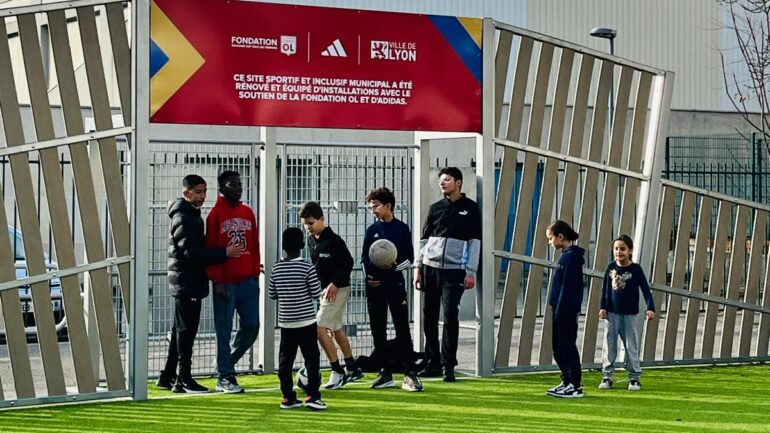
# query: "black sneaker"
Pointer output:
{"type": "Point", "coordinates": [189, 385]}
{"type": "Point", "coordinates": [383, 380]}
{"type": "Point", "coordinates": [569, 391]}
{"type": "Point", "coordinates": [228, 385]}
{"type": "Point", "coordinates": [449, 375]}
{"type": "Point", "coordinates": [430, 371]}
{"type": "Point", "coordinates": [556, 388]}
{"type": "Point", "coordinates": [355, 375]}
{"type": "Point", "coordinates": [165, 380]}
{"type": "Point", "coordinates": [315, 403]}
{"type": "Point", "coordinates": [290, 403]}
{"type": "Point", "coordinates": [411, 383]}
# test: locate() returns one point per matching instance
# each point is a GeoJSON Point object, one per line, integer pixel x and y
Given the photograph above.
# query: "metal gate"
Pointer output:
{"type": "Point", "coordinates": [63, 373]}
{"type": "Point", "coordinates": [338, 176]}
{"type": "Point", "coordinates": [615, 177]}
{"type": "Point", "coordinates": [704, 317]}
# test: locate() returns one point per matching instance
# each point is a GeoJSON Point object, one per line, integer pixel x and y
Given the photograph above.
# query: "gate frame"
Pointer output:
{"type": "Point", "coordinates": [649, 177]}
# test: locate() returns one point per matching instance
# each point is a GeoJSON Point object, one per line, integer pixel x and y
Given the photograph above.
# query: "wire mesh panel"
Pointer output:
{"type": "Point", "coordinates": [169, 164]}
{"type": "Point", "coordinates": [736, 165]}
{"type": "Point", "coordinates": [338, 178]}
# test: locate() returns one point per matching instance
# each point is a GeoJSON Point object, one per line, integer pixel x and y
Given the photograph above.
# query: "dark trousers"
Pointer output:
{"type": "Point", "coordinates": [187, 317]}
{"type": "Point", "coordinates": [443, 290]}
{"type": "Point", "coordinates": [565, 352]}
{"type": "Point", "coordinates": [306, 339]}
{"type": "Point", "coordinates": [378, 300]}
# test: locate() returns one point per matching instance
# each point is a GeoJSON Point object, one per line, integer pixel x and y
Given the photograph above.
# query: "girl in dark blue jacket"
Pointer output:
{"type": "Point", "coordinates": [565, 299]}
{"type": "Point", "coordinates": [623, 280]}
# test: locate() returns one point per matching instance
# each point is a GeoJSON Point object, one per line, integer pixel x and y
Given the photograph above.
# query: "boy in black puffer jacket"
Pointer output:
{"type": "Point", "coordinates": [187, 281]}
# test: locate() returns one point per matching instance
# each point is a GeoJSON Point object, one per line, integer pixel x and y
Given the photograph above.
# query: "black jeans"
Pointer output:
{"type": "Point", "coordinates": [565, 352]}
{"type": "Point", "coordinates": [187, 317]}
{"type": "Point", "coordinates": [306, 339]}
{"type": "Point", "coordinates": [443, 290]}
{"type": "Point", "coordinates": [390, 295]}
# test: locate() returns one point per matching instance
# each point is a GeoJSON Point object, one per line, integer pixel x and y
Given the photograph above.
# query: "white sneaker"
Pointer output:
{"type": "Point", "coordinates": [606, 383]}
{"type": "Point", "coordinates": [336, 380]}
{"type": "Point", "coordinates": [634, 385]}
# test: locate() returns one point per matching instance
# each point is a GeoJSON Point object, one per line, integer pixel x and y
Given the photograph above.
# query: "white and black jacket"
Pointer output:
{"type": "Point", "coordinates": [451, 236]}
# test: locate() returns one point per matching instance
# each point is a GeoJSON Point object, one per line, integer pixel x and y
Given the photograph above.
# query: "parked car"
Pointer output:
{"type": "Point", "coordinates": [25, 292]}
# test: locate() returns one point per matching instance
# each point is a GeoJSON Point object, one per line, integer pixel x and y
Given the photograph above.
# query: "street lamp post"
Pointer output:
{"type": "Point", "coordinates": [607, 33]}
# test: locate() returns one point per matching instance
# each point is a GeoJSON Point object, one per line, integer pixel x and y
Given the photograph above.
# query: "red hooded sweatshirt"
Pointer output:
{"type": "Point", "coordinates": [233, 225]}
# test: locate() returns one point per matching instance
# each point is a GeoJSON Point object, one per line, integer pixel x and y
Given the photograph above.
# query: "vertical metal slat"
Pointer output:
{"type": "Point", "coordinates": [751, 293]}
{"type": "Point", "coordinates": [590, 186]}
{"type": "Point", "coordinates": [609, 197]}
{"type": "Point", "coordinates": [716, 278]}
{"type": "Point", "coordinates": [569, 186]}
{"type": "Point", "coordinates": [108, 156]}
{"type": "Point", "coordinates": [57, 205]}
{"type": "Point", "coordinates": [697, 274]}
{"type": "Point", "coordinates": [666, 218]}
{"type": "Point", "coordinates": [503, 202]}
{"type": "Point", "coordinates": [524, 205]}
{"type": "Point", "coordinates": [681, 258]}
{"type": "Point", "coordinates": [28, 216]}
{"type": "Point", "coordinates": [737, 261]}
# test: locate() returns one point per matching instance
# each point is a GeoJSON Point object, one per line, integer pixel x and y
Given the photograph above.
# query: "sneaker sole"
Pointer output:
{"type": "Point", "coordinates": [294, 406]}
{"type": "Point", "coordinates": [191, 391]}
{"type": "Point", "coordinates": [390, 384]}
{"type": "Point", "coordinates": [410, 389]}
{"type": "Point", "coordinates": [553, 394]}
{"type": "Point", "coordinates": [312, 406]}
{"type": "Point", "coordinates": [334, 386]}
{"type": "Point", "coordinates": [229, 391]}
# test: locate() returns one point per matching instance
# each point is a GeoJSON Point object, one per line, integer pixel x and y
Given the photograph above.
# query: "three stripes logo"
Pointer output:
{"type": "Point", "coordinates": [335, 49]}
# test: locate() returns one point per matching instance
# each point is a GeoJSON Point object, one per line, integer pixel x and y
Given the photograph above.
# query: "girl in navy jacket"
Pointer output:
{"type": "Point", "coordinates": [565, 300]}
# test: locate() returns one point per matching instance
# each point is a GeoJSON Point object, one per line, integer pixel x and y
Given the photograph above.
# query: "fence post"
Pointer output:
{"type": "Point", "coordinates": [139, 298]}
{"type": "Point", "coordinates": [268, 237]}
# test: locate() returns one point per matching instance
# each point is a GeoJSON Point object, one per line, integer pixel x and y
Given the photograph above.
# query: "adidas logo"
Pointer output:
{"type": "Point", "coordinates": [376, 235]}
{"type": "Point", "coordinates": [334, 50]}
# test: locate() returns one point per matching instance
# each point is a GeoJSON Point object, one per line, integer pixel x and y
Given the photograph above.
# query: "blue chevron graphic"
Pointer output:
{"type": "Point", "coordinates": [158, 58]}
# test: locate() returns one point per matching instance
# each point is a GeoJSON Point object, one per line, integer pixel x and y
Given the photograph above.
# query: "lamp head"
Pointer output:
{"type": "Point", "coordinates": [604, 33]}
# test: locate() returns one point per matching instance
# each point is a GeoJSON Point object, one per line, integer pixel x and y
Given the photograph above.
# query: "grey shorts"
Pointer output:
{"type": "Point", "coordinates": [330, 313]}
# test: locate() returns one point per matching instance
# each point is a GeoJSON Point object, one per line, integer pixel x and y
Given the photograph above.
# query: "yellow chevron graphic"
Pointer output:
{"type": "Point", "coordinates": [184, 59]}
{"type": "Point", "coordinates": [473, 27]}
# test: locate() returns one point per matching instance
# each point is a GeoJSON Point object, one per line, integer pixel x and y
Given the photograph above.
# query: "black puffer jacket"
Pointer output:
{"type": "Point", "coordinates": [187, 252]}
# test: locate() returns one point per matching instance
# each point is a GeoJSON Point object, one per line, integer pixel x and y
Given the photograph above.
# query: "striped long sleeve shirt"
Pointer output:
{"type": "Point", "coordinates": [294, 283]}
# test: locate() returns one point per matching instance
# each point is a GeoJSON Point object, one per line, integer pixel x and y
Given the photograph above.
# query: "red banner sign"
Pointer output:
{"type": "Point", "coordinates": [244, 63]}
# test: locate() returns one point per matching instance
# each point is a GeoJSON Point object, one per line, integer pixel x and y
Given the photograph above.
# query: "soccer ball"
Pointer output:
{"type": "Point", "coordinates": [303, 380]}
{"type": "Point", "coordinates": [383, 253]}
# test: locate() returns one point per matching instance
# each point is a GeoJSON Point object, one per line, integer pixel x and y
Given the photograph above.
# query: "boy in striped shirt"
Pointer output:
{"type": "Point", "coordinates": [294, 283]}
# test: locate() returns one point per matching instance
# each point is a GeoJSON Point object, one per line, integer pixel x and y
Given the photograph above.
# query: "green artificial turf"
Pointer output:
{"type": "Point", "coordinates": [713, 399]}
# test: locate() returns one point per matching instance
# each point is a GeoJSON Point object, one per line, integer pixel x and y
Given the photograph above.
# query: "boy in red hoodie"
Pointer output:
{"type": "Point", "coordinates": [236, 286]}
